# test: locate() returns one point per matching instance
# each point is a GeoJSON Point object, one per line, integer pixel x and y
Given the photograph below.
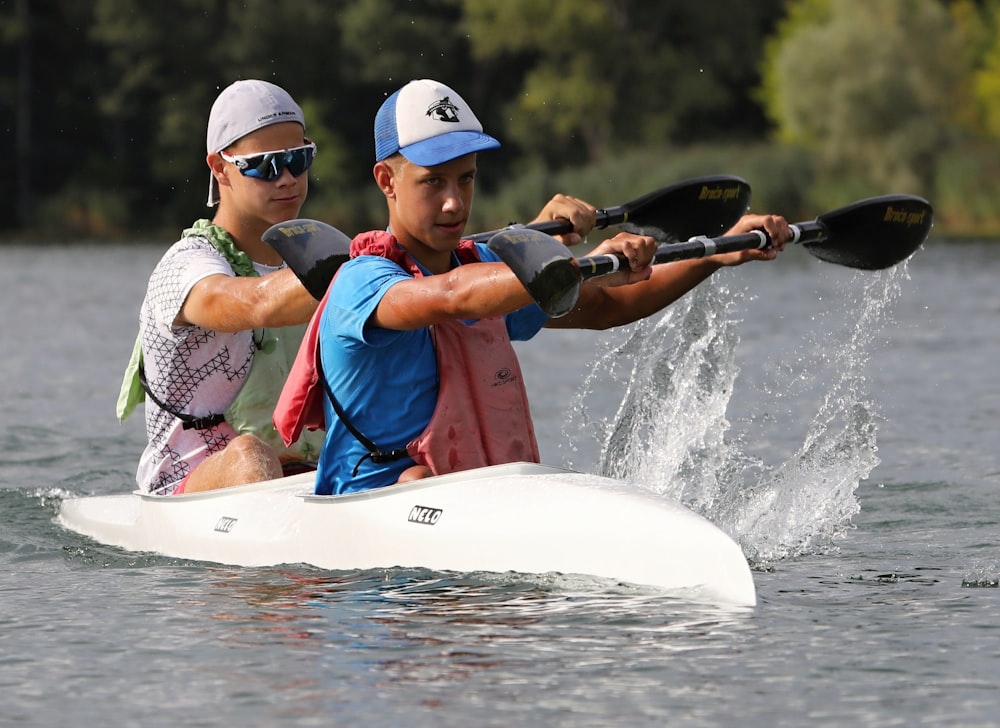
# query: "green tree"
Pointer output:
{"type": "Point", "coordinates": [567, 93]}
{"type": "Point", "coordinates": [15, 104]}
{"type": "Point", "coordinates": [872, 89]}
{"type": "Point", "coordinates": [156, 88]}
{"type": "Point", "coordinates": [386, 44]}
{"type": "Point", "coordinates": [986, 81]}
{"type": "Point", "coordinates": [601, 76]}
{"type": "Point", "coordinates": [48, 89]}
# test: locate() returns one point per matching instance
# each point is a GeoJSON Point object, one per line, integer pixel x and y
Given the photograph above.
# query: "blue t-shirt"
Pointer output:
{"type": "Point", "coordinates": [385, 381]}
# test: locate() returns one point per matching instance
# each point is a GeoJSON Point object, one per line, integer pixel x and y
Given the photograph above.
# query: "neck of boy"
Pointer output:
{"type": "Point", "coordinates": [260, 252]}
{"type": "Point", "coordinates": [435, 261]}
{"type": "Point", "coordinates": [248, 239]}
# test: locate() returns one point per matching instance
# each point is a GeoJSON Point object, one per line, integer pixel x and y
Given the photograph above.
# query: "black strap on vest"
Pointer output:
{"type": "Point", "coordinates": [190, 421]}
{"type": "Point", "coordinates": [376, 454]}
{"type": "Point", "coordinates": [462, 255]}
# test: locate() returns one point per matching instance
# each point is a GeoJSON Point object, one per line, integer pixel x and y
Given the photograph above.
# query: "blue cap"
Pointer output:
{"type": "Point", "coordinates": [429, 124]}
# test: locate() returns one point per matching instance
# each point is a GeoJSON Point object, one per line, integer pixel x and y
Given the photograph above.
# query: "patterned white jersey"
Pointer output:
{"type": "Point", "coordinates": [185, 364]}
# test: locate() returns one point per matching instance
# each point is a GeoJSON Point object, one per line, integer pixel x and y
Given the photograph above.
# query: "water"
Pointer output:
{"type": "Point", "coordinates": [841, 425]}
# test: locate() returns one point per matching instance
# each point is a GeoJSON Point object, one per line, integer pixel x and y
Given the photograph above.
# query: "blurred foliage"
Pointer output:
{"type": "Point", "coordinates": [863, 85]}
{"type": "Point", "coordinates": [815, 102]}
{"type": "Point", "coordinates": [895, 95]}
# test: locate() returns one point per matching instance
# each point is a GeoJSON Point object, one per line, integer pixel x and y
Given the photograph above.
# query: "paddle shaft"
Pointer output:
{"type": "Point", "coordinates": [703, 205]}
{"type": "Point", "coordinates": [699, 205]}
{"type": "Point", "coordinates": [871, 234]}
{"type": "Point", "coordinates": [702, 247]}
{"type": "Point", "coordinates": [605, 218]}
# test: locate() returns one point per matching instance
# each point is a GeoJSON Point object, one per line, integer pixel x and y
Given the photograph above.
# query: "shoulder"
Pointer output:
{"type": "Point", "coordinates": [366, 270]}
{"type": "Point", "coordinates": [363, 280]}
{"type": "Point", "coordinates": [486, 255]}
{"type": "Point", "coordinates": [186, 263]}
{"type": "Point", "coordinates": [192, 247]}
{"type": "Point", "coordinates": [195, 252]}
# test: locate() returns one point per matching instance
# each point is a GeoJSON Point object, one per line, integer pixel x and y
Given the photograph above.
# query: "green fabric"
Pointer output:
{"type": "Point", "coordinates": [132, 393]}
{"type": "Point", "coordinates": [223, 242]}
{"type": "Point", "coordinates": [253, 409]}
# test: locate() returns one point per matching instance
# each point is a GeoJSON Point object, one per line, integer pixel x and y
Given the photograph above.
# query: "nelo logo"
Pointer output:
{"type": "Point", "coordinates": [425, 515]}
{"type": "Point", "coordinates": [225, 524]}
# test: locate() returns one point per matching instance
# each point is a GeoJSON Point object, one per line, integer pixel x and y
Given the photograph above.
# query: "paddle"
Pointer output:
{"type": "Point", "coordinates": [869, 234]}
{"type": "Point", "coordinates": [701, 205]}
{"type": "Point", "coordinates": [312, 249]}
{"type": "Point", "coordinates": [698, 206]}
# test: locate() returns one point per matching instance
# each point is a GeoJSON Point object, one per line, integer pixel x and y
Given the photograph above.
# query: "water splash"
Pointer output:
{"type": "Point", "coordinates": [984, 575]}
{"type": "Point", "coordinates": [673, 435]}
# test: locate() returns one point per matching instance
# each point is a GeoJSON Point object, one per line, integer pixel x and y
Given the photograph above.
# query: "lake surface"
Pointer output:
{"type": "Point", "coordinates": [841, 425]}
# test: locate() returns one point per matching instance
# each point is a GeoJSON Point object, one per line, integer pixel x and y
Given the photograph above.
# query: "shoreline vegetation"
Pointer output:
{"type": "Point", "coordinates": [779, 177]}
{"type": "Point", "coordinates": [816, 103]}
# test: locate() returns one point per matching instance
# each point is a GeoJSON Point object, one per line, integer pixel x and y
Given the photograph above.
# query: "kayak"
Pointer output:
{"type": "Point", "coordinates": [521, 517]}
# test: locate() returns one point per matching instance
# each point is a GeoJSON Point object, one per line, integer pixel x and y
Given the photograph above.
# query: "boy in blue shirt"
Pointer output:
{"type": "Point", "coordinates": [415, 331]}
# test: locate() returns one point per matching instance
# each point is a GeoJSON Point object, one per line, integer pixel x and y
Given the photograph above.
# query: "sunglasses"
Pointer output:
{"type": "Point", "coordinates": [268, 165]}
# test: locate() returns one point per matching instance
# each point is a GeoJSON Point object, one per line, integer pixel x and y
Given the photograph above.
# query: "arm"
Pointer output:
{"type": "Point", "coordinates": [473, 291]}
{"type": "Point", "coordinates": [236, 303]}
{"type": "Point", "coordinates": [602, 307]}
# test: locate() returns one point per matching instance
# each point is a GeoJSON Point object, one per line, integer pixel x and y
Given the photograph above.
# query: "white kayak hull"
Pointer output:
{"type": "Point", "coordinates": [521, 517]}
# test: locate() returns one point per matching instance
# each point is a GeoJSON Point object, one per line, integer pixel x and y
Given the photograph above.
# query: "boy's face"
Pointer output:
{"type": "Point", "coordinates": [429, 205]}
{"type": "Point", "coordinates": [272, 201]}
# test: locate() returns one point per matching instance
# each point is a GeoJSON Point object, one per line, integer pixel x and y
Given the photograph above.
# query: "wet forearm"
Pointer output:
{"type": "Point", "coordinates": [474, 291]}
{"type": "Point", "coordinates": [283, 300]}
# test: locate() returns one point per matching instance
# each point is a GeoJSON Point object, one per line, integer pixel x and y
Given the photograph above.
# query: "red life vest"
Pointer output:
{"type": "Point", "coordinates": [481, 416]}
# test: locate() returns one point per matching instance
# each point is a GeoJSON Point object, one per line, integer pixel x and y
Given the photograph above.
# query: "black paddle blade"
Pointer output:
{"type": "Point", "coordinates": [544, 265]}
{"type": "Point", "coordinates": [313, 250]}
{"type": "Point", "coordinates": [699, 206]}
{"type": "Point", "coordinates": [875, 233]}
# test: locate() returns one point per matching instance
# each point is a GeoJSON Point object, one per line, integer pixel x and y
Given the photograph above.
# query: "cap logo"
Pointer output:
{"type": "Point", "coordinates": [443, 110]}
{"type": "Point", "coordinates": [276, 115]}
